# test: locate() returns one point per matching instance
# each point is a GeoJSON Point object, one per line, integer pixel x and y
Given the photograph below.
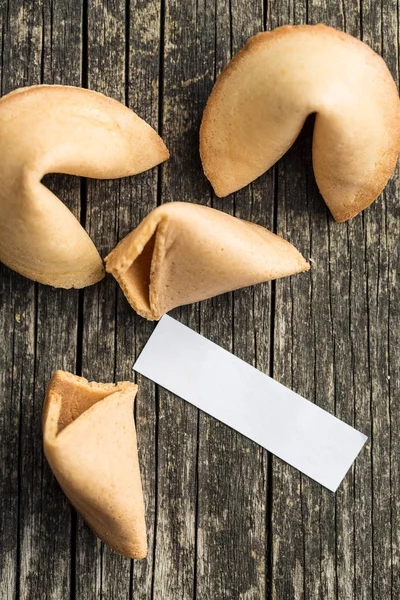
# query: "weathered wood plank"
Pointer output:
{"type": "Point", "coordinates": [41, 563]}
{"type": "Point", "coordinates": [252, 319]}
{"type": "Point", "coordinates": [393, 220]}
{"type": "Point", "coordinates": [380, 28]}
{"type": "Point", "coordinates": [101, 572]}
{"type": "Point", "coordinates": [217, 444]}
{"type": "Point", "coordinates": [335, 332]}
{"type": "Point", "coordinates": [17, 318]}
{"type": "Point", "coordinates": [57, 325]}
{"type": "Point", "coordinates": [19, 506]}
{"type": "Point", "coordinates": [9, 433]}
{"type": "Point", "coordinates": [351, 376]}
{"type": "Point", "coordinates": [9, 403]}
{"type": "Point", "coordinates": [340, 346]}
{"type": "Point", "coordinates": [294, 353]}
{"type": "Point", "coordinates": [175, 538]}
{"type": "Point", "coordinates": [343, 278]}
{"type": "Point", "coordinates": [232, 510]}
{"type": "Point", "coordinates": [390, 52]}
{"type": "Point", "coordinates": [138, 198]}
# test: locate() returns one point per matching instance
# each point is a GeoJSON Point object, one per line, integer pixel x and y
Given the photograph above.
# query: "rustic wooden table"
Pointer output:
{"type": "Point", "coordinates": [225, 519]}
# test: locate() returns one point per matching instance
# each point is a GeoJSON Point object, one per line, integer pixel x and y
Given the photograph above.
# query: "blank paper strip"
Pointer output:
{"type": "Point", "coordinates": [222, 385]}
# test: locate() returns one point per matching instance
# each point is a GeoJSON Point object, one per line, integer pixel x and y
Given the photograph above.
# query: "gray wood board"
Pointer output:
{"type": "Point", "coordinates": [225, 520]}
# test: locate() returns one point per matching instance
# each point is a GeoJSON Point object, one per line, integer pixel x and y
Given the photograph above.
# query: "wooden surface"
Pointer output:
{"type": "Point", "coordinates": [226, 521]}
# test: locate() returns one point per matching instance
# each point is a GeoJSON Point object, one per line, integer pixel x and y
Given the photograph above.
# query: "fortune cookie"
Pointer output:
{"type": "Point", "coordinates": [183, 253]}
{"type": "Point", "coordinates": [262, 98]}
{"type": "Point", "coordinates": [53, 128]}
{"type": "Point", "coordinates": [89, 440]}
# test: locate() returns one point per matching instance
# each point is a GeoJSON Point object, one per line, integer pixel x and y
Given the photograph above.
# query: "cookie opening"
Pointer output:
{"type": "Point", "coordinates": [137, 277]}
{"type": "Point", "coordinates": [77, 397]}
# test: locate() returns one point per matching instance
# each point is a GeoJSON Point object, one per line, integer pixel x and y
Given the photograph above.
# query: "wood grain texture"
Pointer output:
{"type": "Point", "coordinates": [175, 534]}
{"type": "Point", "coordinates": [380, 31]}
{"type": "Point", "coordinates": [99, 570]}
{"type": "Point", "coordinates": [225, 520]}
{"type": "Point", "coordinates": [18, 319]}
{"type": "Point", "coordinates": [138, 198]}
{"type": "Point", "coordinates": [335, 553]}
{"type": "Point", "coordinates": [232, 511]}
{"type": "Point", "coordinates": [42, 340]}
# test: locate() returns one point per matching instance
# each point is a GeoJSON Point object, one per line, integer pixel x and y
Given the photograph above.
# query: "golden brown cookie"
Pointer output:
{"type": "Point", "coordinates": [53, 128]}
{"type": "Point", "coordinates": [89, 439]}
{"type": "Point", "coordinates": [183, 253]}
{"type": "Point", "coordinates": [262, 98]}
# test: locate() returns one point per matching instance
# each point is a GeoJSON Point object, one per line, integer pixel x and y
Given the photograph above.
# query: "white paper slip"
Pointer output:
{"type": "Point", "coordinates": [224, 386]}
